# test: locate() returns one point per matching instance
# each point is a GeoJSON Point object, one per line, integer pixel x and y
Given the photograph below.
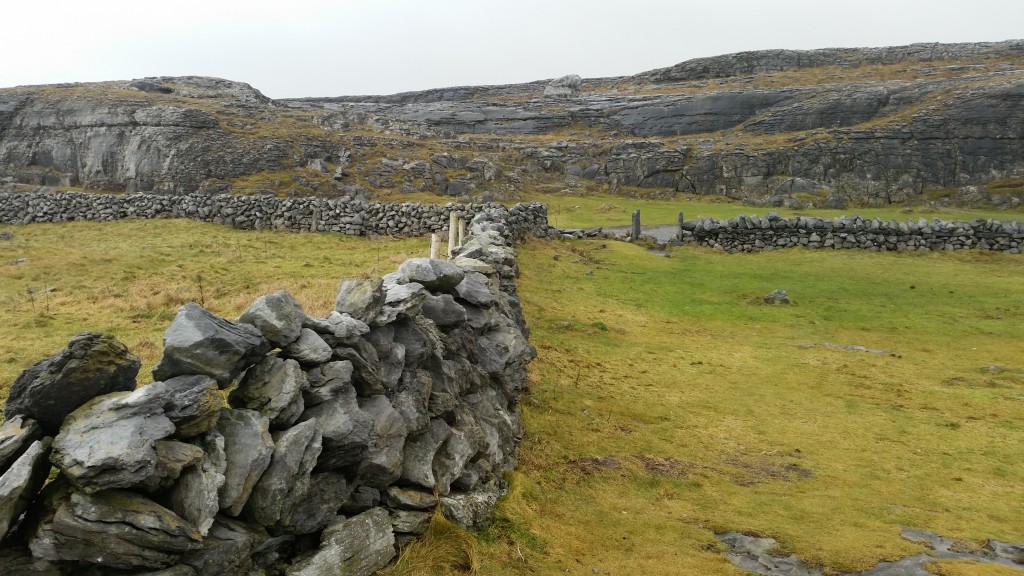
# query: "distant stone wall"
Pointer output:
{"type": "Point", "coordinates": [312, 214]}
{"type": "Point", "coordinates": [754, 234]}
{"type": "Point", "coordinates": [279, 443]}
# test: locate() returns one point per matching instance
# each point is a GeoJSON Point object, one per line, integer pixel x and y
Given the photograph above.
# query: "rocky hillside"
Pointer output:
{"type": "Point", "coordinates": [865, 126]}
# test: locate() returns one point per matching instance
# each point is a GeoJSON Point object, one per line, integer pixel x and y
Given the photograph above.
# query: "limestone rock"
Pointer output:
{"type": "Point", "coordinates": [91, 365]}
{"type": "Point", "coordinates": [475, 289]}
{"type": "Point", "coordinates": [17, 560]}
{"type": "Point", "coordinates": [409, 498]}
{"type": "Point", "coordinates": [473, 265]}
{"type": "Point", "coordinates": [435, 275]}
{"type": "Point", "coordinates": [273, 387]}
{"type": "Point", "coordinates": [357, 546]}
{"type": "Point", "coordinates": [346, 429]}
{"type": "Point", "coordinates": [192, 403]}
{"type": "Point", "coordinates": [113, 528]}
{"type": "Point", "coordinates": [337, 326]}
{"type": "Point", "coordinates": [171, 458]}
{"type": "Point", "coordinates": [418, 457]}
{"type": "Point", "coordinates": [110, 441]}
{"type": "Point", "coordinates": [309, 348]}
{"type": "Point", "coordinates": [21, 482]}
{"type": "Point", "coordinates": [16, 435]}
{"type": "Point", "coordinates": [360, 298]}
{"type": "Point", "coordinates": [326, 382]}
{"type": "Point", "coordinates": [286, 480]}
{"type": "Point", "coordinates": [248, 447]}
{"type": "Point", "coordinates": [451, 459]}
{"type": "Point", "coordinates": [473, 510]}
{"type": "Point", "coordinates": [410, 521]}
{"type": "Point", "coordinates": [382, 464]}
{"type": "Point", "coordinates": [198, 342]}
{"type": "Point", "coordinates": [443, 310]}
{"type": "Point", "coordinates": [362, 499]}
{"type": "Point", "coordinates": [565, 87]}
{"type": "Point", "coordinates": [195, 494]}
{"type": "Point", "coordinates": [777, 297]}
{"type": "Point", "coordinates": [277, 316]}
{"type": "Point", "coordinates": [326, 493]}
{"type": "Point", "coordinates": [366, 364]}
{"type": "Point", "coordinates": [227, 549]}
{"type": "Point", "coordinates": [401, 300]}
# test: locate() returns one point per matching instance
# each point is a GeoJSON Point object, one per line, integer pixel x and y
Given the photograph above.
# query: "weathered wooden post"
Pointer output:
{"type": "Point", "coordinates": [435, 245]}
{"type": "Point", "coordinates": [453, 231]}
{"type": "Point", "coordinates": [635, 232]}
{"type": "Point", "coordinates": [681, 220]}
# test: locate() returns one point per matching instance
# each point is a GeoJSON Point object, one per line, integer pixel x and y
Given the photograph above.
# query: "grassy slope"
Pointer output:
{"type": "Point", "coordinates": [666, 403]}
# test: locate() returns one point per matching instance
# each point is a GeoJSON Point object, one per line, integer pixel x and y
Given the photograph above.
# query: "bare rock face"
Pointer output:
{"type": "Point", "coordinates": [115, 529]}
{"type": "Point", "coordinates": [382, 464]}
{"type": "Point", "coordinates": [346, 429]}
{"type": "Point", "coordinates": [309, 348]}
{"type": "Point", "coordinates": [286, 479]}
{"type": "Point", "coordinates": [327, 381]}
{"type": "Point", "coordinates": [192, 403]}
{"type": "Point", "coordinates": [20, 484]}
{"type": "Point", "coordinates": [92, 364]}
{"type": "Point", "coordinates": [194, 496]}
{"type": "Point", "coordinates": [325, 494]}
{"type": "Point", "coordinates": [357, 546]}
{"type": "Point", "coordinates": [227, 549]}
{"type": "Point", "coordinates": [277, 316]}
{"type": "Point", "coordinates": [198, 342]}
{"type": "Point", "coordinates": [418, 460]}
{"type": "Point", "coordinates": [472, 510]}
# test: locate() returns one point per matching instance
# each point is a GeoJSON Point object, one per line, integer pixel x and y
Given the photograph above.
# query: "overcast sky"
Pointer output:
{"type": "Point", "coordinates": [293, 48]}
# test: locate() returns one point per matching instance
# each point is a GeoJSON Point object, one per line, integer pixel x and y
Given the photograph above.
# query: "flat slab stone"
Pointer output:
{"type": "Point", "coordinates": [16, 435]}
{"type": "Point", "coordinates": [357, 546]}
{"type": "Point", "coordinates": [435, 275]}
{"type": "Point", "coordinates": [22, 481]}
{"type": "Point", "coordinates": [277, 316]}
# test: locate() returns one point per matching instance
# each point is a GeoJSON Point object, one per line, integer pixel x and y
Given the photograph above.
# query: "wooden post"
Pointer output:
{"type": "Point", "coordinates": [681, 220]}
{"type": "Point", "coordinates": [435, 245]}
{"type": "Point", "coordinates": [635, 232]}
{"type": "Point", "coordinates": [462, 231]}
{"type": "Point", "coordinates": [453, 230]}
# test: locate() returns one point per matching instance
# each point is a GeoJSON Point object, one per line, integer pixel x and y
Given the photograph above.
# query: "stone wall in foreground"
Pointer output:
{"type": "Point", "coordinates": [307, 214]}
{"type": "Point", "coordinates": [754, 234]}
{"type": "Point", "coordinates": [277, 443]}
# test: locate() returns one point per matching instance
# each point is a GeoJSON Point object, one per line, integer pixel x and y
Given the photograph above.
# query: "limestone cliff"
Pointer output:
{"type": "Point", "coordinates": [836, 125]}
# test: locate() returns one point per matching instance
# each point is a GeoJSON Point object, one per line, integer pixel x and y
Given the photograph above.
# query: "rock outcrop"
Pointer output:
{"type": "Point", "coordinates": [868, 126]}
{"type": "Point", "coordinates": [282, 444]}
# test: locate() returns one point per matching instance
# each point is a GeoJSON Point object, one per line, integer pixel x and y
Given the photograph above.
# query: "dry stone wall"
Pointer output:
{"type": "Point", "coordinates": [306, 214]}
{"type": "Point", "coordinates": [278, 443]}
{"type": "Point", "coordinates": [755, 233]}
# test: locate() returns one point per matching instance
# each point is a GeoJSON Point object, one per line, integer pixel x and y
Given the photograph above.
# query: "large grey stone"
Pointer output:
{"type": "Point", "coordinates": [390, 355]}
{"type": "Point", "coordinates": [451, 459]}
{"type": "Point", "coordinates": [360, 298]}
{"type": "Point", "coordinates": [277, 316]}
{"type": "Point", "coordinates": [21, 482]}
{"type": "Point", "coordinates": [565, 87]}
{"type": "Point", "coordinates": [357, 546]}
{"type": "Point", "coordinates": [325, 494]}
{"type": "Point", "coordinates": [443, 310]}
{"type": "Point", "coordinates": [409, 498]}
{"type": "Point", "coordinates": [227, 549]}
{"type": "Point", "coordinates": [327, 381]}
{"type": "Point", "coordinates": [192, 403]}
{"type": "Point", "coordinates": [338, 327]}
{"type": "Point", "coordinates": [16, 435]}
{"type": "Point", "coordinates": [198, 342]}
{"type": "Point", "coordinates": [195, 494]}
{"type": "Point", "coordinates": [435, 275]}
{"type": "Point", "coordinates": [419, 453]}
{"type": "Point", "coordinates": [401, 300]}
{"type": "Point", "coordinates": [286, 480]}
{"type": "Point", "coordinates": [273, 387]}
{"type": "Point", "coordinates": [309, 348]}
{"type": "Point", "coordinates": [110, 441]}
{"type": "Point", "coordinates": [248, 447]}
{"type": "Point", "coordinates": [346, 429]}
{"type": "Point", "coordinates": [472, 510]}
{"type": "Point", "coordinates": [91, 365]}
{"type": "Point", "coordinates": [171, 458]}
{"type": "Point", "coordinates": [113, 528]}
{"type": "Point", "coordinates": [410, 521]}
{"type": "Point", "coordinates": [475, 288]}
{"type": "Point", "coordinates": [367, 367]}
{"type": "Point", "coordinates": [382, 464]}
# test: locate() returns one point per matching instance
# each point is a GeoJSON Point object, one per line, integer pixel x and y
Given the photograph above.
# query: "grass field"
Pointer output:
{"type": "Point", "coordinates": [667, 403]}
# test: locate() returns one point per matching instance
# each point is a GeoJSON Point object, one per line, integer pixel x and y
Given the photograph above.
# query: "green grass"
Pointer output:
{"type": "Point", "coordinates": [667, 402]}
{"type": "Point", "coordinates": [595, 210]}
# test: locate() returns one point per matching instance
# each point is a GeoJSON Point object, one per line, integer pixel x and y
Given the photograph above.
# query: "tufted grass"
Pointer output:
{"type": "Point", "coordinates": [666, 403]}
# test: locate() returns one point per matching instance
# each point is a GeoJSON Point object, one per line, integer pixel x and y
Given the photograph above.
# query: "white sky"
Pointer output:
{"type": "Point", "coordinates": [294, 48]}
